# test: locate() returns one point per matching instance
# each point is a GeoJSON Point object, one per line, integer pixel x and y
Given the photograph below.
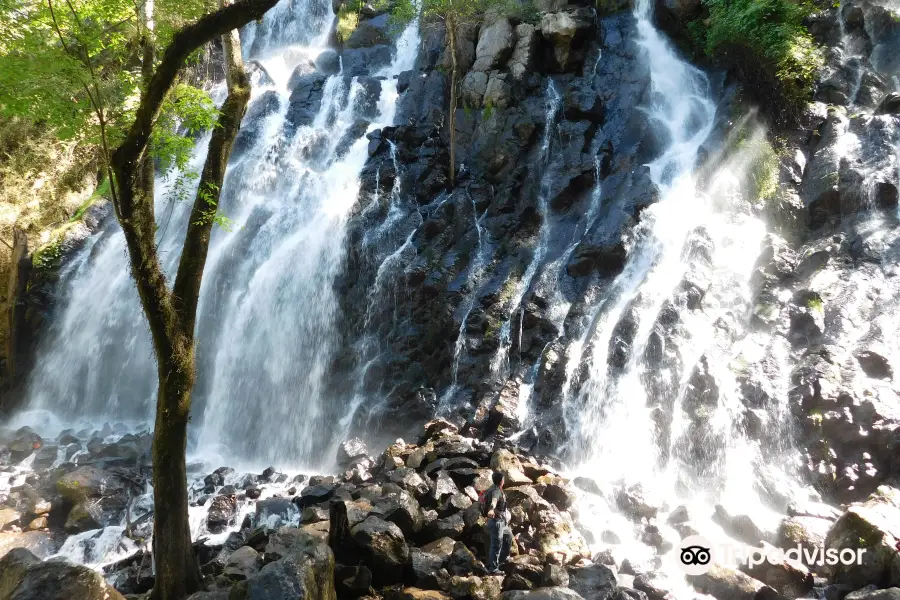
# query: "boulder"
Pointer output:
{"type": "Point", "coordinates": [14, 566]}
{"type": "Point", "coordinates": [314, 514]}
{"type": "Point", "coordinates": [874, 364]}
{"type": "Point", "coordinates": [474, 85]}
{"type": "Point", "coordinates": [451, 527]}
{"type": "Point", "coordinates": [741, 527]}
{"type": "Point", "coordinates": [56, 580]}
{"type": "Point", "coordinates": [84, 516]}
{"type": "Point", "coordinates": [402, 509]}
{"type": "Point", "coordinates": [495, 45]}
{"type": "Point", "coordinates": [222, 511]}
{"type": "Point", "coordinates": [497, 93]}
{"type": "Point", "coordinates": [242, 564]}
{"type": "Point", "coordinates": [593, 581]}
{"type": "Point", "coordinates": [304, 571]}
{"type": "Point", "coordinates": [874, 528]}
{"type": "Point", "coordinates": [786, 576]}
{"type": "Point", "coordinates": [443, 487]}
{"type": "Point", "coordinates": [275, 512]}
{"type": "Point", "coordinates": [474, 588]}
{"type": "Point", "coordinates": [414, 593]}
{"type": "Point", "coordinates": [306, 99]}
{"type": "Point", "coordinates": [724, 583]}
{"type": "Point", "coordinates": [328, 62]}
{"type": "Point", "coordinates": [384, 549]}
{"type": "Point", "coordinates": [39, 543]}
{"type": "Point", "coordinates": [8, 516]}
{"type": "Point", "coordinates": [890, 104]}
{"type": "Point", "coordinates": [26, 442]}
{"type": "Point", "coordinates": [556, 535]}
{"type": "Point", "coordinates": [548, 593]}
{"type": "Point", "coordinates": [351, 449]}
{"type": "Point", "coordinates": [352, 580]}
{"type": "Point", "coordinates": [635, 504]}
{"type": "Point", "coordinates": [564, 30]}
{"type": "Point", "coordinates": [508, 463]}
{"type": "Point", "coordinates": [461, 561]}
{"type": "Point", "coordinates": [216, 478]}
{"type": "Point", "coordinates": [522, 59]}
{"type": "Point", "coordinates": [809, 532]}
{"type": "Point", "coordinates": [367, 34]}
{"type": "Point", "coordinates": [424, 564]}
{"type": "Point", "coordinates": [89, 482]}
{"type": "Point", "coordinates": [872, 593]}
{"type": "Point", "coordinates": [314, 494]}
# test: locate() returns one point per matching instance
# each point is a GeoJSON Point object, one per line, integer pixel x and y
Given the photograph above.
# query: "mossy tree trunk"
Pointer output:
{"type": "Point", "coordinates": [171, 313]}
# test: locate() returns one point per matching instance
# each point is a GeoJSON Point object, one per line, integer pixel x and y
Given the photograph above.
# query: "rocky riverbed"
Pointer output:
{"type": "Point", "coordinates": [402, 524]}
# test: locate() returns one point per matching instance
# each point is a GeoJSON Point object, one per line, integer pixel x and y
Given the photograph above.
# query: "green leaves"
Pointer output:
{"type": "Point", "coordinates": [209, 194]}
{"type": "Point", "coordinates": [767, 42]}
{"type": "Point", "coordinates": [56, 56]}
{"type": "Point", "coordinates": [187, 112]}
{"type": "Point", "coordinates": [461, 11]}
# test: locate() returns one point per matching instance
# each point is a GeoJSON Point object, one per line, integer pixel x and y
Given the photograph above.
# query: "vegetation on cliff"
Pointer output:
{"type": "Point", "coordinates": [766, 43]}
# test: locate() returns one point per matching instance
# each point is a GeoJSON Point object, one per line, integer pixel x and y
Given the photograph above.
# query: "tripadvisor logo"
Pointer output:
{"type": "Point", "coordinates": [697, 555]}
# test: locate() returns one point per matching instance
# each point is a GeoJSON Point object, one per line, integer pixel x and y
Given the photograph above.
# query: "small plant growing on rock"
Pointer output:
{"type": "Point", "coordinates": [453, 15]}
{"type": "Point", "coordinates": [768, 46]}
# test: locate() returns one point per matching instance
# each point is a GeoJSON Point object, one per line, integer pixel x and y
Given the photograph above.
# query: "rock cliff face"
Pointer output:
{"type": "Point", "coordinates": [451, 288]}
{"type": "Point", "coordinates": [458, 300]}
{"type": "Point", "coordinates": [542, 296]}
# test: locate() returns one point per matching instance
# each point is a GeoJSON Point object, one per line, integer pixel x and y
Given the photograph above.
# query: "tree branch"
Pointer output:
{"type": "Point", "coordinates": [186, 290]}
{"type": "Point", "coordinates": [186, 41]}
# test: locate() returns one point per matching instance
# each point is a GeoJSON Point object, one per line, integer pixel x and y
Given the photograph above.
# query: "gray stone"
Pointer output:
{"type": "Point", "coordinates": [474, 86]}
{"type": "Point", "coordinates": [384, 548]}
{"type": "Point", "coordinates": [495, 44]}
{"type": "Point", "coordinates": [498, 93]}
{"type": "Point", "coordinates": [242, 564]}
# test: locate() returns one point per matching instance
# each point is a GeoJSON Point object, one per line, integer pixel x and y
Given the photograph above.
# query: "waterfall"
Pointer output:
{"type": "Point", "coordinates": [266, 329]}
{"type": "Point", "coordinates": [650, 396]}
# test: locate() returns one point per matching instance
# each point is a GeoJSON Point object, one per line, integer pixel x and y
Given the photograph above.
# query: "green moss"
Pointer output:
{"type": "Point", "coordinates": [102, 191]}
{"type": "Point", "coordinates": [815, 304]}
{"type": "Point", "coordinates": [488, 110]}
{"type": "Point", "coordinates": [769, 47]}
{"type": "Point", "coordinates": [763, 170]}
{"type": "Point", "coordinates": [761, 178]}
{"type": "Point", "coordinates": [509, 289]}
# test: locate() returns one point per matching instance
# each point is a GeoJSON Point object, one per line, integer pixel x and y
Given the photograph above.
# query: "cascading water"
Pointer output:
{"type": "Point", "coordinates": [266, 322]}
{"type": "Point", "coordinates": [650, 398]}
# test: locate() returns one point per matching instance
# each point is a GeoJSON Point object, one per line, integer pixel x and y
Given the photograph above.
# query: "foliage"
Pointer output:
{"type": "Point", "coordinates": [766, 42]}
{"type": "Point", "coordinates": [347, 21]}
{"type": "Point", "coordinates": [52, 60]}
{"type": "Point", "coordinates": [211, 213]}
{"type": "Point", "coordinates": [432, 11]}
{"type": "Point", "coordinates": [349, 15]}
{"type": "Point", "coordinates": [60, 59]}
{"type": "Point", "coordinates": [815, 303]}
{"type": "Point", "coordinates": [762, 172]}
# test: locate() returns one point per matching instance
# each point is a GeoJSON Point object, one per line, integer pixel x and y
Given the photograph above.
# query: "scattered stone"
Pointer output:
{"type": "Point", "coordinates": [242, 564]}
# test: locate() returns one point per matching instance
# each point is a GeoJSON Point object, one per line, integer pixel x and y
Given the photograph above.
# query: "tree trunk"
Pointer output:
{"type": "Point", "coordinates": [177, 571]}
{"type": "Point", "coordinates": [171, 314]}
{"type": "Point", "coordinates": [451, 35]}
{"type": "Point", "coordinates": [16, 334]}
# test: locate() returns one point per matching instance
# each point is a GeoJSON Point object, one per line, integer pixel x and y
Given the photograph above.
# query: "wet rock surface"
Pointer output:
{"type": "Point", "coordinates": [443, 313]}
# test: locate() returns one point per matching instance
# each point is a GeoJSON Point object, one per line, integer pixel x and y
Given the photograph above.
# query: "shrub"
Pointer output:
{"type": "Point", "coordinates": [766, 43]}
